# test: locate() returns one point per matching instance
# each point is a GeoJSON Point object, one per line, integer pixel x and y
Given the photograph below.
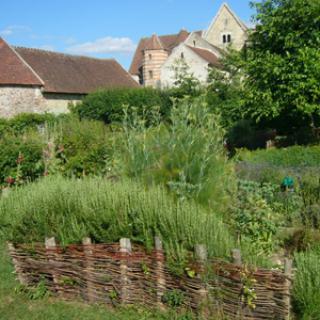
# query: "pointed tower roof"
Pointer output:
{"type": "Point", "coordinates": [14, 70]}
{"type": "Point", "coordinates": [154, 43]}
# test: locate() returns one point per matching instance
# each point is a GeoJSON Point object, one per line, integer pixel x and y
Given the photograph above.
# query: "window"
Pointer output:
{"type": "Point", "coordinates": [194, 43]}
{"type": "Point", "coordinates": [150, 74]}
{"type": "Point", "coordinates": [182, 55]}
{"type": "Point", "coordinates": [226, 38]}
{"type": "Point", "coordinates": [150, 56]}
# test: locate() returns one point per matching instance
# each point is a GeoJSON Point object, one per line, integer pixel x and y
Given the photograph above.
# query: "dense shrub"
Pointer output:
{"type": "Point", "coordinates": [77, 147]}
{"type": "Point", "coordinates": [296, 156]}
{"type": "Point", "coordinates": [108, 105]}
{"type": "Point", "coordinates": [71, 209]}
{"type": "Point", "coordinates": [20, 158]}
{"type": "Point", "coordinates": [306, 284]}
{"type": "Point", "coordinates": [24, 122]}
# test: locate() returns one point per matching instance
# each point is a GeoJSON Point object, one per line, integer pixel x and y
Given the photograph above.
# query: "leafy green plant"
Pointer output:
{"type": "Point", "coordinates": [173, 298]}
{"type": "Point", "coordinates": [40, 291]}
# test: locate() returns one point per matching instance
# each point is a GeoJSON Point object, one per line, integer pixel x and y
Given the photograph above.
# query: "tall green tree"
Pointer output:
{"type": "Point", "coordinates": [283, 61]}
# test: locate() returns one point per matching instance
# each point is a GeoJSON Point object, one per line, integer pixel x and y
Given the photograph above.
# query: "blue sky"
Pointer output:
{"type": "Point", "coordinates": [104, 28]}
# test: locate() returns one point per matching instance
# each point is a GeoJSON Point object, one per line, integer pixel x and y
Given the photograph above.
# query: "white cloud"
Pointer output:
{"type": "Point", "coordinates": [10, 30]}
{"type": "Point", "coordinates": [104, 45]}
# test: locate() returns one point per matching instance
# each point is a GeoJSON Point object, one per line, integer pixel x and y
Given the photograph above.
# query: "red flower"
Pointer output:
{"type": "Point", "coordinates": [10, 180]}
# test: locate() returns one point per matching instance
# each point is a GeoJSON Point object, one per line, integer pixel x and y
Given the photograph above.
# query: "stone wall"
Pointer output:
{"type": "Point", "coordinates": [226, 24]}
{"type": "Point", "coordinates": [19, 99]}
{"type": "Point", "coordinates": [16, 99]}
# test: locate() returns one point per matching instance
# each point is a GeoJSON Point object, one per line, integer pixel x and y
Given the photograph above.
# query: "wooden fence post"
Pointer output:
{"type": "Point", "coordinates": [51, 251]}
{"type": "Point", "coordinates": [201, 255]}
{"type": "Point", "coordinates": [160, 272]}
{"type": "Point", "coordinates": [287, 298]}
{"type": "Point", "coordinates": [88, 264]}
{"type": "Point", "coordinates": [125, 250]}
{"type": "Point", "coordinates": [236, 257]}
{"type": "Point", "coordinates": [23, 279]}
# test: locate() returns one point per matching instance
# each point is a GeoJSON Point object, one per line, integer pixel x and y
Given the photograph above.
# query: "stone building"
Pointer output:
{"type": "Point", "coordinates": [155, 56]}
{"type": "Point", "coordinates": [33, 80]}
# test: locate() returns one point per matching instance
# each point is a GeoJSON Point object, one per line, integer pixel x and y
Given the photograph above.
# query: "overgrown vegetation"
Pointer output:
{"type": "Point", "coordinates": [106, 211]}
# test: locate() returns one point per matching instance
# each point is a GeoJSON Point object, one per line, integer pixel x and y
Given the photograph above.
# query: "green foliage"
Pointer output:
{"type": "Point", "coordinates": [108, 105]}
{"type": "Point", "coordinates": [296, 156]}
{"type": "Point", "coordinates": [72, 209]}
{"type": "Point", "coordinates": [173, 298]}
{"type": "Point", "coordinates": [24, 122]}
{"type": "Point", "coordinates": [40, 291]}
{"type": "Point", "coordinates": [186, 156]}
{"type": "Point", "coordinates": [282, 67]}
{"type": "Point", "coordinates": [20, 158]}
{"type": "Point", "coordinates": [224, 90]}
{"type": "Point", "coordinates": [254, 218]}
{"type": "Point", "coordinates": [185, 83]}
{"type": "Point", "coordinates": [306, 284]}
{"type": "Point", "coordinates": [77, 148]}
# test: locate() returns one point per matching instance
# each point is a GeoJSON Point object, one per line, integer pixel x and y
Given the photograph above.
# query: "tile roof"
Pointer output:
{"type": "Point", "coordinates": [207, 55]}
{"type": "Point", "coordinates": [13, 70]}
{"type": "Point", "coordinates": [64, 73]}
{"type": "Point", "coordinates": [58, 72]}
{"type": "Point", "coordinates": [168, 42]}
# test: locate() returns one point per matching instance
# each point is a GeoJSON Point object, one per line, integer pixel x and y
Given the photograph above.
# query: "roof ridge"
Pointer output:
{"type": "Point", "coordinates": [62, 53]}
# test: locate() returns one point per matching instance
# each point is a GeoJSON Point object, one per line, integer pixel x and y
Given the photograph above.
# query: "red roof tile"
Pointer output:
{"type": "Point", "coordinates": [64, 73]}
{"type": "Point", "coordinates": [13, 70]}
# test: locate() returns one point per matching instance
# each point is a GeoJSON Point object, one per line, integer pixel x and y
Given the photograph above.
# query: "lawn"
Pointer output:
{"type": "Point", "coordinates": [14, 305]}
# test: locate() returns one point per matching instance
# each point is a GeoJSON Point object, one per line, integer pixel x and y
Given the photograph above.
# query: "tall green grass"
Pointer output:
{"type": "Point", "coordinates": [70, 209]}
{"type": "Point", "coordinates": [306, 291]}
{"type": "Point", "coordinates": [187, 155]}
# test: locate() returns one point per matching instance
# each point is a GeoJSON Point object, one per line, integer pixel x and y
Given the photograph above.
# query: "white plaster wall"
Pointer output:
{"type": "Point", "coordinates": [195, 40]}
{"type": "Point", "coordinates": [58, 103]}
{"type": "Point", "coordinates": [197, 66]}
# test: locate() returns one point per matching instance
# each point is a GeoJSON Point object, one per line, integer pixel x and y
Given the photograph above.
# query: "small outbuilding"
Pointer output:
{"type": "Point", "coordinates": [33, 80]}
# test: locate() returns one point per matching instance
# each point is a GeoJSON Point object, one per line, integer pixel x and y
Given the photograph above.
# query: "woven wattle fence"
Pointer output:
{"type": "Point", "coordinates": [124, 274]}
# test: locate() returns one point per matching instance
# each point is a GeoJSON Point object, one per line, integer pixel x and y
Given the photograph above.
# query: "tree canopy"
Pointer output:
{"type": "Point", "coordinates": [282, 68]}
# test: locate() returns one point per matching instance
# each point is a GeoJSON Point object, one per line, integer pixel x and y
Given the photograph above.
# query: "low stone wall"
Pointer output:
{"type": "Point", "coordinates": [124, 274]}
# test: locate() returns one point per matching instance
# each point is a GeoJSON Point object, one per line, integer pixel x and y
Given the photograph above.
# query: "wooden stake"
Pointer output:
{"type": "Point", "coordinates": [51, 247]}
{"type": "Point", "coordinates": [125, 250]}
{"type": "Point", "coordinates": [22, 277]}
{"type": "Point", "coordinates": [88, 252]}
{"type": "Point", "coordinates": [160, 272]}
